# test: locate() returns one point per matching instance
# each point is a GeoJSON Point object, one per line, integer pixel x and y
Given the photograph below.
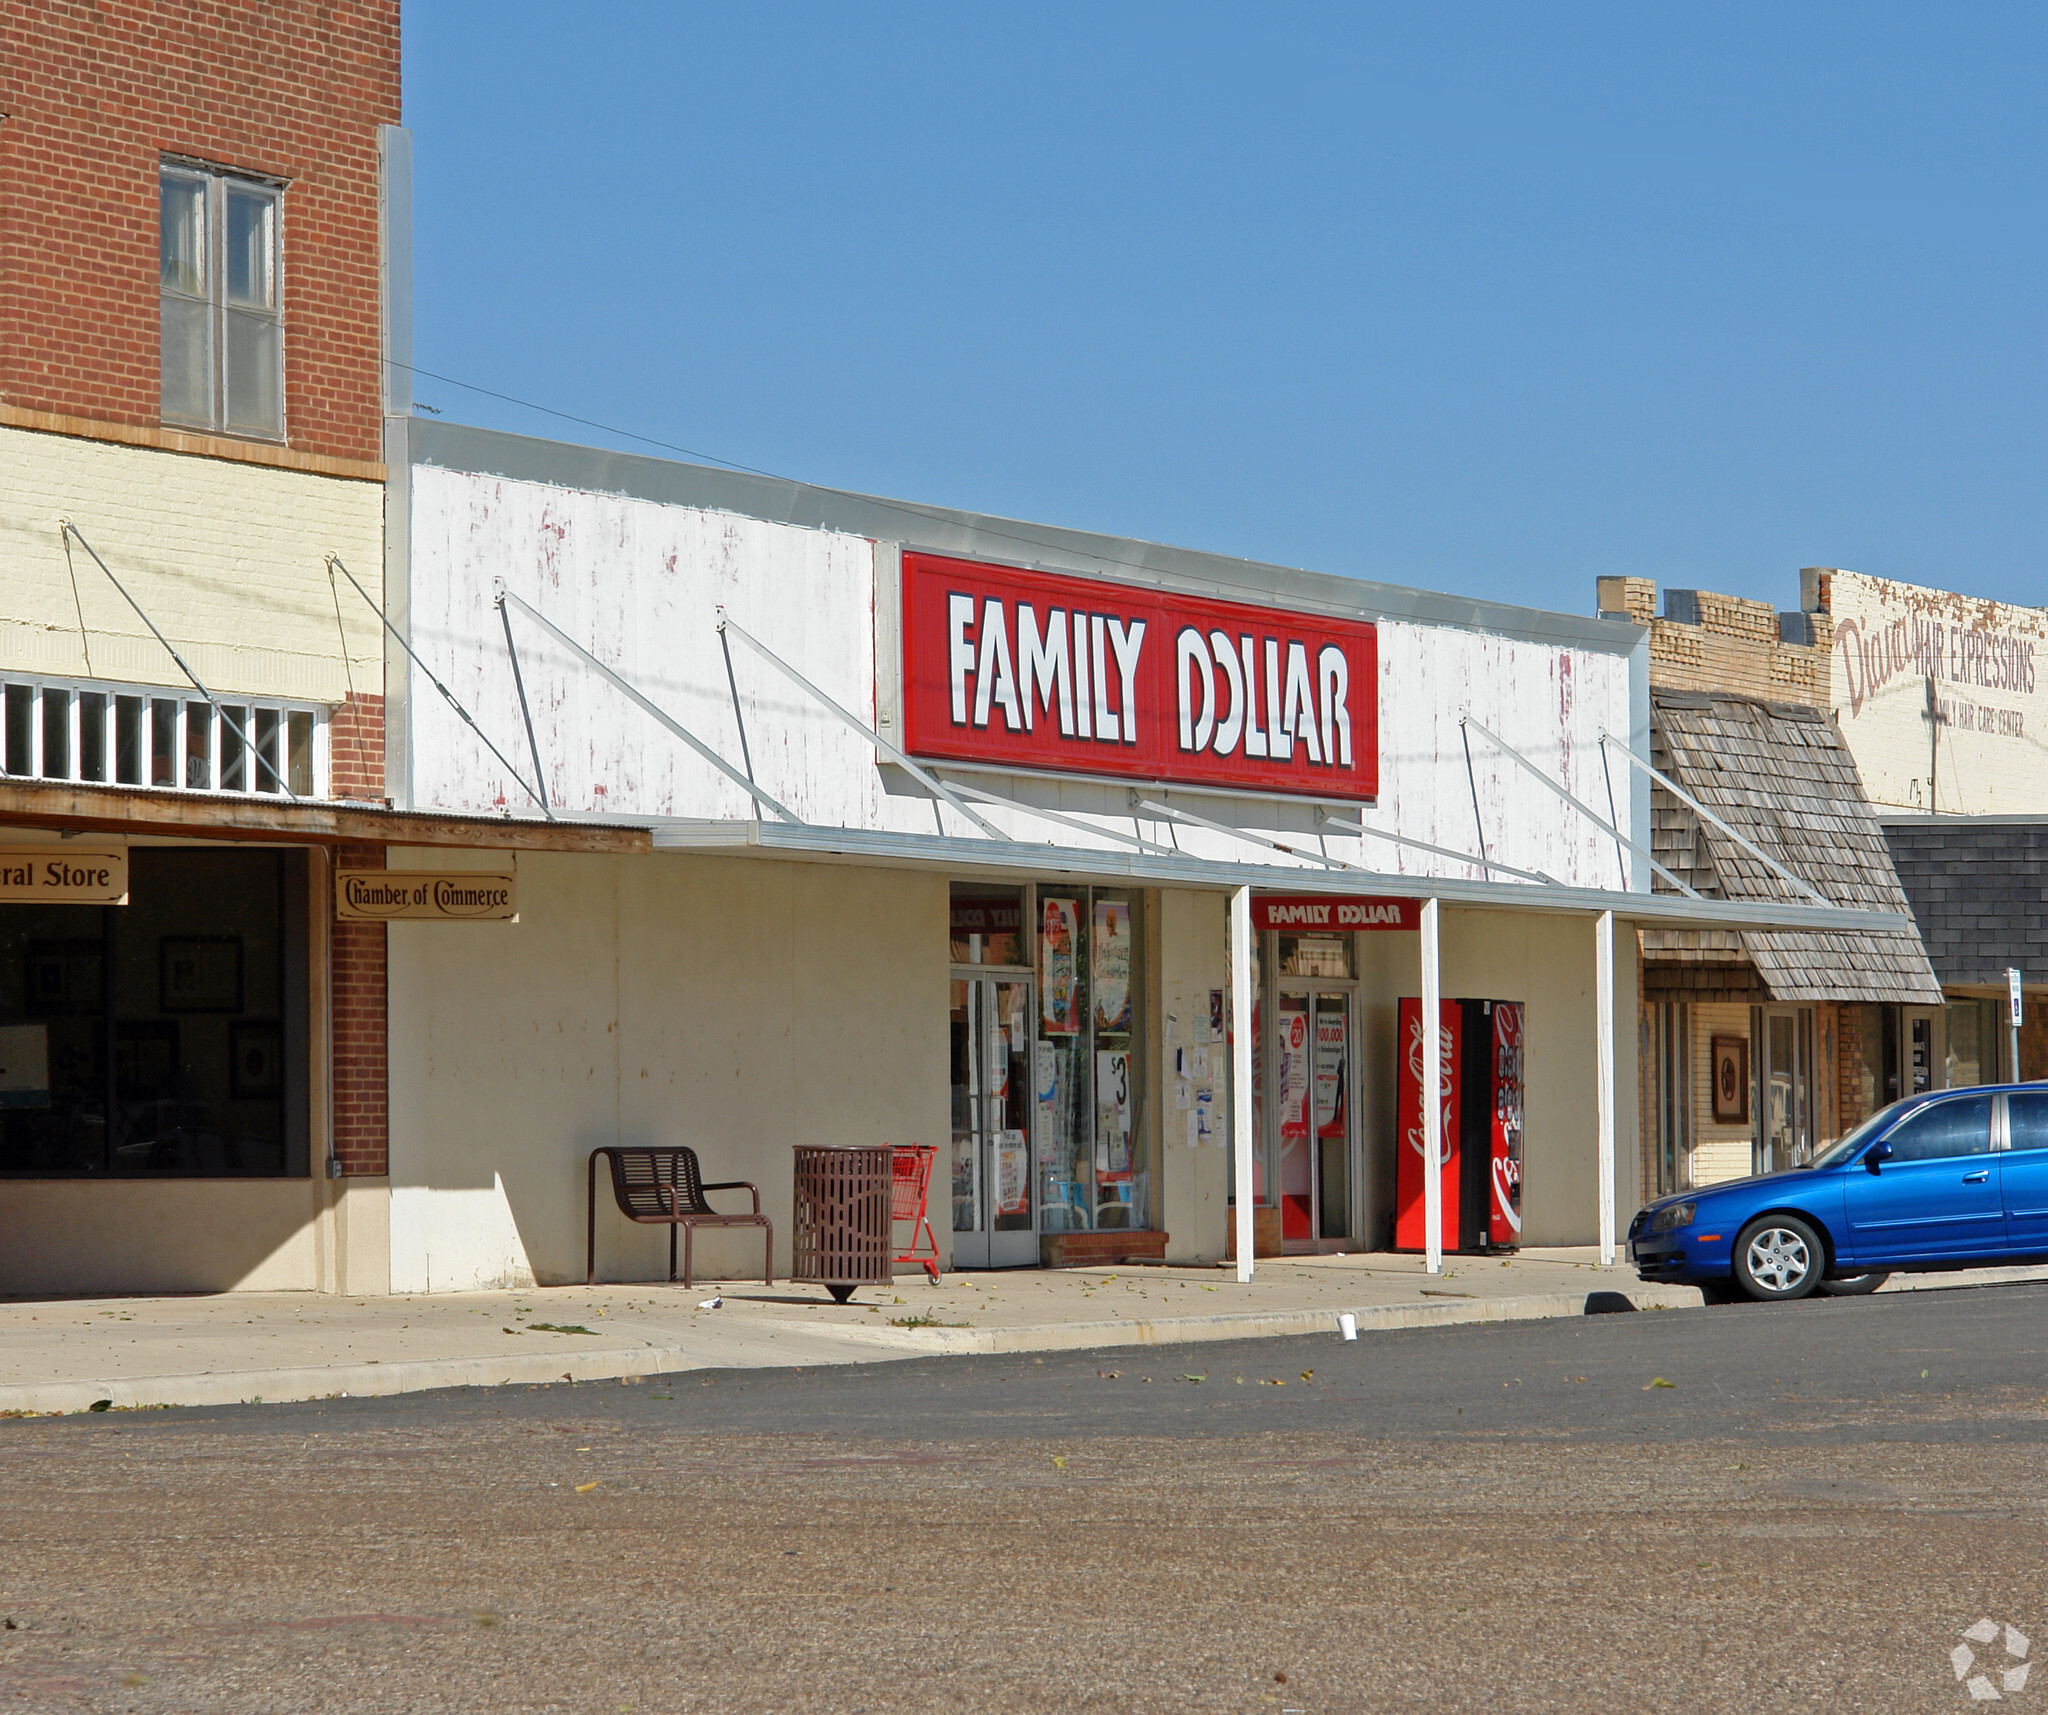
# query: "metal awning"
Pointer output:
{"type": "Point", "coordinates": [980, 857]}
{"type": "Point", "coordinates": [76, 806]}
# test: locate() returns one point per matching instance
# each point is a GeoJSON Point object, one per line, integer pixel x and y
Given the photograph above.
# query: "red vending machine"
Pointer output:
{"type": "Point", "coordinates": [1480, 1168]}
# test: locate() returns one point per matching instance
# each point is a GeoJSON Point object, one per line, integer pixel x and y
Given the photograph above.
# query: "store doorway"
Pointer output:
{"type": "Point", "coordinates": [995, 1218]}
{"type": "Point", "coordinates": [1312, 1054]}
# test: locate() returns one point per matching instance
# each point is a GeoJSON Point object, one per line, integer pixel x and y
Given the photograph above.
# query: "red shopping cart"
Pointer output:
{"type": "Point", "coordinates": [909, 1189]}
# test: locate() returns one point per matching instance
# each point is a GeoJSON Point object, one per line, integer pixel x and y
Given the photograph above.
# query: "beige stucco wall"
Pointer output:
{"type": "Point", "coordinates": [1720, 1152]}
{"type": "Point", "coordinates": [227, 558]}
{"type": "Point", "coordinates": [1545, 961]}
{"type": "Point", "coordinates": [737, 1005]}
{"type": "Point", "coordinates": [1189, 955]}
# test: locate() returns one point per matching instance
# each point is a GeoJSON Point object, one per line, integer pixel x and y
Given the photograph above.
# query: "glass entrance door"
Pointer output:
{"type": "Point", "coordinates": [1312, 1052]}
{"type": "Point", "coordinates": [995, 1218]}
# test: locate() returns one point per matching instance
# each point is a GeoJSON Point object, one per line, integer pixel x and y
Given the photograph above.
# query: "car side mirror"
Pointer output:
{"type": "Point", "coordinates": [1879, 1151]}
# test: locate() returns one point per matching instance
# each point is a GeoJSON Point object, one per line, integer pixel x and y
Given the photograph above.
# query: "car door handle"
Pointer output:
{"type": "Point", "coordinates": [1978, 1177]}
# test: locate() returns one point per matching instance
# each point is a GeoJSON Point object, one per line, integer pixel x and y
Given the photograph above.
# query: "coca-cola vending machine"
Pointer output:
{"type": "Point", "coordinates": [1480, 1089]}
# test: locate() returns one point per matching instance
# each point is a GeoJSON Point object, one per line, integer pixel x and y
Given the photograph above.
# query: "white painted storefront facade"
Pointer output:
{"type": "Point", "coordinates": [762, 981]}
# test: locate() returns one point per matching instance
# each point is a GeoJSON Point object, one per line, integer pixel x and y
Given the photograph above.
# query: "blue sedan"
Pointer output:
{"type": "Point", "coordinates": [1951, 1179]}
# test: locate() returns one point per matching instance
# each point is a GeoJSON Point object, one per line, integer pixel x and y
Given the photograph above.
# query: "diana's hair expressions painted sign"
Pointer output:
{"type": "Point", "coordinates": [1073, 676]}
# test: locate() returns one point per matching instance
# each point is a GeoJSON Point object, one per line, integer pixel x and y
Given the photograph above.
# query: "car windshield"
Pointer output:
{"type": "Point", "coordinates": [1836, 1154]}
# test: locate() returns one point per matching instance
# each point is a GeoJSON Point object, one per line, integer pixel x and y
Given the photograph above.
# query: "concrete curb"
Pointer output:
{"type": "Point", "coordinates": [372, 1380]}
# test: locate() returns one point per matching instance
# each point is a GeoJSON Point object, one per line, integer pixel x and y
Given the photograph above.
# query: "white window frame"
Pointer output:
{"type": "Point", "coordinates": [215, 182]}
{"type": "Point", "coordinates": [187, 706]}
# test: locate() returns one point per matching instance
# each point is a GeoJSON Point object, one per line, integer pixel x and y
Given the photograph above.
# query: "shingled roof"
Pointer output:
{"type": "Point", "coordinates": [1781, 775]}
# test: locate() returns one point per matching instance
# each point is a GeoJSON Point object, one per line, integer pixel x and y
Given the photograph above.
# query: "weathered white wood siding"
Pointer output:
{"type": "Point", "coordinates": [639, 583]}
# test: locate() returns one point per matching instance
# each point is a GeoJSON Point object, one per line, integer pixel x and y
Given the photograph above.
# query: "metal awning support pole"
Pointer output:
{"type": "Point", "coordinates": [1432, 1094]}
{"type": "Point", "coordinates": [1591, 815]}
{"type": "Point", "coordinates": [682, 732]}
{"type": "Point", "coordinates": [867, 732]}
{"type": "Point", "coordinates": [1489, 865]}
{"type": "Point", "coordinates": [1243, 949]}
{"type": "Point", "coordinates": [66, 527]}
{"type": "Point", "coordinates": [1472, 781]}
{"type": "Point", "coordinates": [1190, 819]}
{"type": "Point", "coordinates": [1074, 822]}
{"type": "Point", "coordinates": [540, 778]}
{"type": "Point", "coordinates": [1684, 797]}
{"type": "Point", "coordinates": [1603, 1029]}
{"type": "Point", "coordinates": [739, 720]}
{"type": "Point", "coordinates": [448, 696]}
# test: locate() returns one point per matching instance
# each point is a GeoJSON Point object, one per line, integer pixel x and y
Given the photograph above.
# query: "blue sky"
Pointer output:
{"type": "Point", "coordinates": [1495, 300]}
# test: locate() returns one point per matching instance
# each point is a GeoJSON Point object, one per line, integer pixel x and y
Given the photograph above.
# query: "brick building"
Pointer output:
{"type": "Point", "coordinates": [1757, 1048]}
{"type": "Point", "coordinates": [204, 266]}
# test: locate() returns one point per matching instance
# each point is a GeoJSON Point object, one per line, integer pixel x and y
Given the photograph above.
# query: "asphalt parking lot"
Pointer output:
{"type": "Point", "coordinates": [1796, 1506]}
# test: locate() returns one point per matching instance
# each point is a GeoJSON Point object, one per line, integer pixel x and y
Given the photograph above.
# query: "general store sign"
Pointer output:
{"type": "Point", "coordinates": [63, 875]}
{"type": "Point", "coordinates": [1332, 913]}
{"type": "Point", "coordinates": [418, 895]}
{"type": "Point", "coordinates": [1074, 676]}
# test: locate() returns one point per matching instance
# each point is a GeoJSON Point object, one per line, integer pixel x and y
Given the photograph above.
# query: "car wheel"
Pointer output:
{"type": "Point", "coordinates": [1778, 1257]}
{"type": "Point", "coordinates": [1855, 1285]}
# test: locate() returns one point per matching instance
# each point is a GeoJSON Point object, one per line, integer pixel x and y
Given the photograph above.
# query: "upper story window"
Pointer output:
{"type": "Point", "coordinates": [223, 321]}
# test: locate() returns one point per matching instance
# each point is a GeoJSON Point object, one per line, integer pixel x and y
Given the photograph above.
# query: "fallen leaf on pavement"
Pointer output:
{"type": "Point", "coordinates": [1657, 1381]}
{"type": "Point", "coordinates": [585, 1488]}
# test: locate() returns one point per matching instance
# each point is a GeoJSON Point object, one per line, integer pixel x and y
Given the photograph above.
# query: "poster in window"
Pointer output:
{"type": "Point", "coordinates": [1331, 1034]}
{"type": "Point", "coordinates": [1112, 954]}
{"type": "Point", "coordinates": [1013, 1174]}
{"type": "Point", "coordinates": [24, 1066]}
{"type": "Point", "coordinates": [1293, 1073]}
{"type": "Point", "coordinates": [1113, 1111]}
{"type": "Point", "coordinates": [200, 973]}
{"type": "Point", "coordinates": [1731, 1080]}
{"type": "Point", "coordinates": [255, 1061]}
{"type": "Point", "coordinates": [1058, 996]}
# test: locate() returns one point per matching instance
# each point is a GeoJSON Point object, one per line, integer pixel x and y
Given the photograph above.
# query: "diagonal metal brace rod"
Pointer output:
{"type": "Point", "coordinates": [1190, 819]}
{"type": "Point", "coordinates": [1679, 792]}
{"type": "Point", "coordinates": [213, 702]}
{"type": "Point", "coordinates": [1591, 815]}
{"type": "Point", "coordinates": [1074, 822]}
{"type": "Point", "coordinates": [728, 624]}
{"type": "Point", "coordinates": [682, 732]}
{"type": "Point", "coordinates": [398, 636]}
{"type": "Point", "coordinates": [1488, 864]}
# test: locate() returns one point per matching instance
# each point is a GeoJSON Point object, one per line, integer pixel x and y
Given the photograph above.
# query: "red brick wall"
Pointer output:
{"type": "Point", "coordinates": [355, 747]}
{"type": "Point", "coordinates": [362, 1125]}
{"type": "Point", "coordinates": [94, 94]}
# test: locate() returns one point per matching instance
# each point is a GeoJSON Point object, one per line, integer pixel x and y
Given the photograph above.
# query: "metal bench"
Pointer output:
{"type": "Point", "coordinates": [664, 1187]}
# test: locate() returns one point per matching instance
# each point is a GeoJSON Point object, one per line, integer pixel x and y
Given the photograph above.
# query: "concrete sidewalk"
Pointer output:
{"type": "Point", "coordinates": [65, 1355]}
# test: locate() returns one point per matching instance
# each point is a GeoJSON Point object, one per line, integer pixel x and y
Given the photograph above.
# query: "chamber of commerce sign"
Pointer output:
{"type": "Point", "coordinates": [430, 896]}
{"type": "Point", "coordinates": [1073, 676]}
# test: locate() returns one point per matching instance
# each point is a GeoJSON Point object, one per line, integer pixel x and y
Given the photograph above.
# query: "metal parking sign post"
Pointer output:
{"type": "Point", "coordinates": [2012, 993]}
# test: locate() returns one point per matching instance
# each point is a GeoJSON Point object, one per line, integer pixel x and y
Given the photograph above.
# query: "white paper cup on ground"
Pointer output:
{"type": "Point", "coordinates": [1348, 1325]}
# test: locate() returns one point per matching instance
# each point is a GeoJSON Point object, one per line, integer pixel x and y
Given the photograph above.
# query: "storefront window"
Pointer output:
{"type": "Point", "coordinates": [1973, 1044]}
{"type": "Point", "coordinates": [1315, 955]}
{"type": "Point", "coordinates": [198, 984]}
{"type": "Point", "coordinates": [1086, 1074]}
{"type": "Point", "coordinates": [987, 925]}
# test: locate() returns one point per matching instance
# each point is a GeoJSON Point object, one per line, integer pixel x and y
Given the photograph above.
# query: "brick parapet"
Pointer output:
{"type": "Point", "coordinates": [95, 95]}
{"type": "Point", "coordinates": [362, 1095]}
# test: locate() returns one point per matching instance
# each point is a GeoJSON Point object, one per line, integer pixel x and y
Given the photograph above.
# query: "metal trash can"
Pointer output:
{"type": "Point", "coordinates": [843, 1237]}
